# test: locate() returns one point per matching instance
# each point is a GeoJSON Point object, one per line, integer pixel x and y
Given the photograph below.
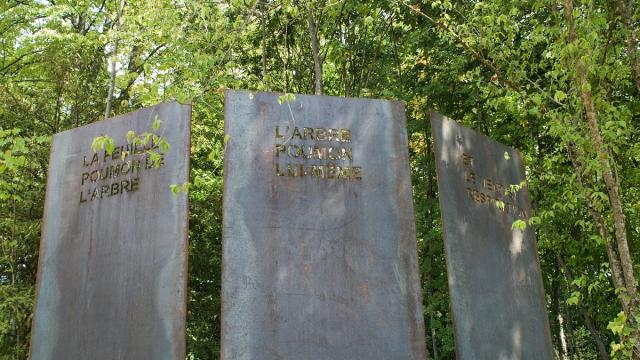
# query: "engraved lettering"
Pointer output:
{"type": "Point", "coordinates": [135, 182]}
{"type": "Point", "coordinates": [297, 152]}
{"type": "Point", "coordinates": [333, 135]}
{"type": "Point", "coordinates": [103, 190]}
{"type": "Point", "coordinates": [470, 177]}
{"type": "Point", "coordinates": [85, 176]}
{"type": "Point", "coordinates": [296, 133]}
{"type": "Point", "coordinates": [311, 156]}
{"type": "Point", "coordinates": [345, 135]}
{"type": "Point", "coordinates": [320, 134]}
{"type": "Point", "coordinates": [117, 153]}
{"type": "Point", "coordinates": [307, 132]}
{"type": "Point", "coordinates": [317, 171]}
{"type": "Point", "coordinates": [115, 189]}
{"type": "Point", "coordinates": [104, 180]}
{"type": "Point", "coordinates": [357, 172]}
{"type": "Point", "coordinates": [347, 153]}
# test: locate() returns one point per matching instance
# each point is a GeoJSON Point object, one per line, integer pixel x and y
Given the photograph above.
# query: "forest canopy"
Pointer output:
{"type": "Point", "coordinates": [557, 79]}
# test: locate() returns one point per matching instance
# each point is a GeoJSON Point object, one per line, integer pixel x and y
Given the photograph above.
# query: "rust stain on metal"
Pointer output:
{"type": "Point", "coordinates": [111, 277]}
{"type": "Point", "coordinates": [495, 283]}
{"type": "Point", "coordinates": [320, 257]}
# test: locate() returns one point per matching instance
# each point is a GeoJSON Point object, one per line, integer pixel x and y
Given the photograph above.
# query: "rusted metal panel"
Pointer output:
{"type": "Point", "coordinates": [495, 284]}
{"type": "Point", "coordinates": [319, 262]}
{"type": "Point", "coordinates": [112, 269]}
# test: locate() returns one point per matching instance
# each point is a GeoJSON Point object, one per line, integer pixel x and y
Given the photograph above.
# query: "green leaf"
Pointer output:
{"type": "Point", "coordinates": [156, 124]}
{"type": "Point", "coordinates": [617, 325]}
{"type": "Point", "coordinates": [286, 98]}
{"type": "Point", "coordinates": [519, 224]}
{"type": "Point", "coordinates": [163, 146]}
{"type": "Point", "coordinates": [574, 298]}
{"type": "Point", "coordinates": [559, 96]}
{"type": "Point", "coordinates": [97, 144]}
{"type": "Point", "coordinates": [110, 145]}
{"type": "Point", "coordinates": [130, 135]}
{"type": "Point", "coordinates": [212, 155]}
{"type": "Point", "coordinates": [186, 186]}
{"type": "Point", "coordinates": [145, 139]}
{"type": "Point", "coordinates": [155, 158]}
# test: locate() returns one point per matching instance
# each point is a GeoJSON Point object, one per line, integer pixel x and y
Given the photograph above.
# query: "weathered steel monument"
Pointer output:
{"type": "Point", "coordinates": [112, 269]}
{"type": "Point", "coordinates": [497, 299]}
{"type": "Point", "coordinates": [320, 254]}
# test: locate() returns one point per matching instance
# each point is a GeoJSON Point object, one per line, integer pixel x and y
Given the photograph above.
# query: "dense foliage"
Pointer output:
{"type": "Point", "coordinates": [557, 79]}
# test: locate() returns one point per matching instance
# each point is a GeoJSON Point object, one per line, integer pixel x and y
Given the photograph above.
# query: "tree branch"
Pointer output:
{"type": "Point", "coordinates": [479, 56]}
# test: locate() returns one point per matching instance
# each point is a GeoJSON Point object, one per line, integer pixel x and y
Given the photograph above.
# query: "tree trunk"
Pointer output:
{"type": "Point", "coordinates": [555, 313]}
{"type": "Point", "coordinates": [132, 67]}
{"type": "Point", "coordinates": [431, 193]}
{"type": "Point", "coordinates": [612, 190]}
{"type": "Point", "coordinates": [434, 344]}
{"type": "Point", "coordinates": [602, 348]}
{"type": "Point", "coordinates": [565, 321]}
{"type": "Point", "coordinates": [287, 55]}
{"type": "Point", "coordinates": [563, 338]}
{"type": "Point", "coordinates": [606, 164]}
{"type": "Point", "coordinates": [315, 50]}
{"type": "Point", "coordinates": [263, 45]}
{"type": "Point", "coordinates": [625, 8]}
{"type": "Point", "coordinates": [614, 262]}
{"type": "Point", "coordinates": [114, 53]}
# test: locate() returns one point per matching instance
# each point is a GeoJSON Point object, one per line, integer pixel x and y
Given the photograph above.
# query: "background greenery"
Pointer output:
{"type": "Point", "coordinates": [557, 79]}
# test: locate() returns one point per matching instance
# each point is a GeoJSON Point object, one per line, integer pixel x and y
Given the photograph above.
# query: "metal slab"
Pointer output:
{"type": "Point", "coordinates": [112, 270]}
{"type": "Point", "coordinates": [320, 256]}
{"type": "Point", "coordinates": [495, 284]}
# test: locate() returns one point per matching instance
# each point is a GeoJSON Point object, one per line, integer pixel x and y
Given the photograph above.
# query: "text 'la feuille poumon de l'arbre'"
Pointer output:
{"type": "Point", "coordinates": [111, 174]}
